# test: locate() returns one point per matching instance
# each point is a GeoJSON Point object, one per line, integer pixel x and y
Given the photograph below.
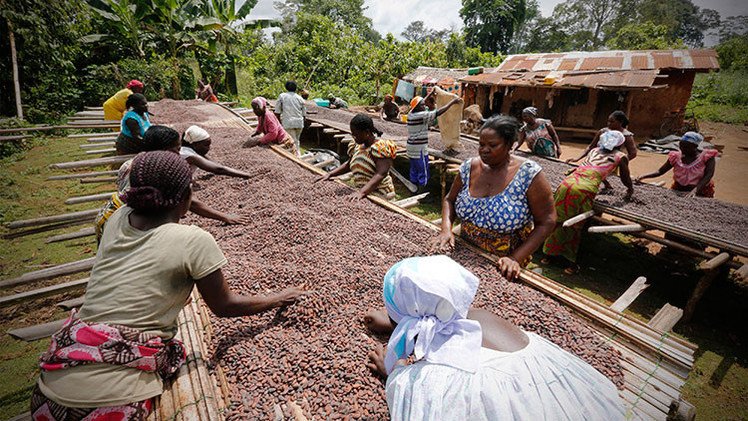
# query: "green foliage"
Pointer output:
{"type": "Point", "coordinates": [417, 31]}
{"type": "Point", "coordinates": [490, 24]}
{"type": "Point", "coordinates": [732, 53]}
{"type": "Point", "coordinates": [721, 97]}
{"type": "Point", "coordinates": [163, 78]}
{"type": "Point", "coordinates": [645, 36]}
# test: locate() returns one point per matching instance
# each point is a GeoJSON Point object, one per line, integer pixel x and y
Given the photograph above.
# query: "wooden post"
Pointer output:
{"type": "Point", "coordinates": [704, 283]}
{"type": "Point", "coordinates": [628, 297]}
{"type": "Point", "coordinates": [14, 61]}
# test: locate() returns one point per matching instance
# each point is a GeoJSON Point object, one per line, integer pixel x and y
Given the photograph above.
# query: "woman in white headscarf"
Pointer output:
{"type": "Point", "coordinates": [577, 192]}
{"type": "Point", "coordinates": [444, 361]}
{"type": "Point", "coordinates": [195, 146]}
{"type": "Point", "coordinates": [539, 134]}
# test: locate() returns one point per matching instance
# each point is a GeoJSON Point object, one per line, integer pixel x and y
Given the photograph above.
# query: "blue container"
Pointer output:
{"type": "Point", "coordinates": [321, 102]}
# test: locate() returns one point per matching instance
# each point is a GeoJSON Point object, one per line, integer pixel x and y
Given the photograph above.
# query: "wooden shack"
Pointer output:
{"type": "Point", "coordinates": [578, 90]}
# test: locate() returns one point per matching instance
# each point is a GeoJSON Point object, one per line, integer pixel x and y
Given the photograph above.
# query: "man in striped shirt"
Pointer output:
{"type": "Point", "coordinates": [420, 119]}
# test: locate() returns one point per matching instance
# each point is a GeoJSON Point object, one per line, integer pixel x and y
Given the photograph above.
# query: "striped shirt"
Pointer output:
{"type": "Point", "coordinates": [418, 131]}
{"type": "Point", "coordinates": [363, 166]}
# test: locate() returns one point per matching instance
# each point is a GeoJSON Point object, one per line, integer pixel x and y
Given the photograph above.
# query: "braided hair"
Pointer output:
{"type": "Point", "coordinates": [159, 182]}
{"type": "Point", "coordinates": [160, 138]}
{"type": "Point", "coordinates": [621, 117]}
{"type": "Point", "coordinates": [133, 100]}
{"type": "Point", "coordinates": [363, 122]}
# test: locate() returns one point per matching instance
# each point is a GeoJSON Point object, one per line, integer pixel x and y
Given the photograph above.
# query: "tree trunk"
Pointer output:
{"type": "Point", "coordinates": [230, 73]}
{"type": "Point", "coordinates": [14, 60]}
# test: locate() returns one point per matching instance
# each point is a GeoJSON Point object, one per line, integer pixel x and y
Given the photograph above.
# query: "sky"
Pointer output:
{"type": "Point", "coordinates": [388, 16]}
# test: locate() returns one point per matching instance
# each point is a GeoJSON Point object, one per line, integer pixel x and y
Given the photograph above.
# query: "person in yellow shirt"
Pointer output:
{"type": "Point", "coordinates": [114, 107]}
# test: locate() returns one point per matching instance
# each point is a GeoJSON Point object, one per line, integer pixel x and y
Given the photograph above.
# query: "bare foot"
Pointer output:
{"type": "Point", "coordinates": [377, 321]}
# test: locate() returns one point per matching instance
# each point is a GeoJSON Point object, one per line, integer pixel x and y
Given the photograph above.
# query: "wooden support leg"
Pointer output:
{"type": "Point", "coordinates": [443, 169]}
{"type": "Point", "coordinates": [704, 283]}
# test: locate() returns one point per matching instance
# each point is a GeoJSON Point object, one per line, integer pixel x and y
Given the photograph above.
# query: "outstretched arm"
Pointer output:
{"type": "Point", "coordinates": [662, 170]}
{"type": "Point", "coordinates": [200, 208]}
{"type": "Point", "coordinates": [589, 147]}
{"type": "Point", "coordinates": [342, 169]}
{"type": "Point", "coordinates": [225, 303]}
{"type": "Point", "coordinates": [215, 168]}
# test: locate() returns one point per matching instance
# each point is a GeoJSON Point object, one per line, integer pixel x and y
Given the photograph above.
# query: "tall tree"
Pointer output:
{"type": "Point", "coordinates": [417, 31]}
{"type": "Point", "coordinates": [684, 19]}
{"type": "Point", "coordinates": [349, 13]}
{"type": "Point", "coordinates": [588, 23]}
{"type": "Point", "coordinates": [490, 24]}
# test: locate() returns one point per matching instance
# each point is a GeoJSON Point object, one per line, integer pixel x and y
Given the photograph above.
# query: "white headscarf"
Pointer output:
{"type": "Point", "coordinates": [611, 140]}
{"type": "Point", "coordinates": [530, 110]}
{"type": "Point", "coordinates": [195, 134]}
{"type": "Point", "coordinates": [428, 298]}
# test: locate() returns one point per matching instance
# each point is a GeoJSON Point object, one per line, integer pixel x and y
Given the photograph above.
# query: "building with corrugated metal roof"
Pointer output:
{"type": "Point", "coordinates": [578, 90]}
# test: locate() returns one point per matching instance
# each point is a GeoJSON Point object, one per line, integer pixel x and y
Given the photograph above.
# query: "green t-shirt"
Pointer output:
{"type": "Point", "coordinates": [141, 279]}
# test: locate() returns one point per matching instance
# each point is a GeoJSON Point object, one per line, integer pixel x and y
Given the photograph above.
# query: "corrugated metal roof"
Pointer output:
{"type": "Point", "coordinates": [431, 74]}
{"type": "Point", "coordinates": [633, 79]}
{"type": "Point", "coordinates": [698, 60]}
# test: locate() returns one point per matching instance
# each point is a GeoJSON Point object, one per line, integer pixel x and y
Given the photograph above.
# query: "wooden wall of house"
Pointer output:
{"type": "Point", "coordinates": [647, 109]}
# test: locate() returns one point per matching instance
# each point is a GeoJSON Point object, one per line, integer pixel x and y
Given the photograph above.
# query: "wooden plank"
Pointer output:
{"type": "Point", "coordinates": [72, 216]}
{"type": "Point", "coordinates": [102, 140]}
{"type": "Point", "coordinates": [91, 135]}
{"type": "Point", "coordinates": [101, 151]}
{"type": "Point", "coordinates": [97, 145]}
{"type": "Point", "coordinates": [70, 304]}
{"type": "Point", "coordinates": [49, 273]}
{"type": "Point", "coordinates": [83, 175]}
{"type": "Point", "coordinates": [33, 333]}
{"type": "Point", "coordinates": [628, 297]}
{"type": "Point", "coordinates": [89, 198]}
{"type": "Point", "coordinates": [409, 202]}
{"type": "Point", "coordinates": [616, 228]}
{"type": "Point", "coordinates": [579, 218]}
{"type": "Point", "coordinates": [715, 261]}
{"type": "Point", "coordinates": [325, 163]}
{"type": "Point", "coordinates": [742, 272]}
{"type": "Point", "coordinates": [45, 228]}
{"type": "Point", "coordinates": [98, 180]}
{"type": "Point", "coordinates": [406, 182]}
{"type": "Point", "coordinates": [698, 291]}
{"type": "Point", "coordinates": [14, 138]}
{"type": "Point", "coordinates": [85, 232]}
{"type": "Point", "coordinates": [666, 318]}
{"type": "Point", "coordinates": [95, 162]}
{"type": "Point", "coordinates": [9, 300]}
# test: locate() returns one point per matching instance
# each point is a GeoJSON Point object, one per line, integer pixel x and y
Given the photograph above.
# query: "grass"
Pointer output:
{"type": "Point", "coordinates": [25, 193]}
{"type": "Point", "coordinates": [721, 97]}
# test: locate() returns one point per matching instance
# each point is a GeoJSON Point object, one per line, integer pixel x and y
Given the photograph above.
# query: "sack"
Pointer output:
{"type": "Point", "coordinates": [449, 122]}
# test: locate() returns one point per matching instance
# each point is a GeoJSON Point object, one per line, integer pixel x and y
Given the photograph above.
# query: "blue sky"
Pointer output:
{"type": "Point", "coordinates": [394, 16]}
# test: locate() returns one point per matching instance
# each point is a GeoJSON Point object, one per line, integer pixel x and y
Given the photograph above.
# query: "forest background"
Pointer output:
{"type": "Point", "coordinates": [79, 52]}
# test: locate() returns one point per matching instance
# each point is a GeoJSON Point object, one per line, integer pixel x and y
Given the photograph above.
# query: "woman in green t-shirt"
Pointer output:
{"type": "Point", "coordinates": [112, 356]}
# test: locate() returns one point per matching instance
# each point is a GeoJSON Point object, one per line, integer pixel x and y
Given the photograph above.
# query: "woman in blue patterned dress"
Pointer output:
{"type": "Point", "coordinates": [504, 203]}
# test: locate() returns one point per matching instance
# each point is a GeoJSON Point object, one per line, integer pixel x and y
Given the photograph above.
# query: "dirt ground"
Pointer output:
{"type": "Point", "coordinates": [730, 178]}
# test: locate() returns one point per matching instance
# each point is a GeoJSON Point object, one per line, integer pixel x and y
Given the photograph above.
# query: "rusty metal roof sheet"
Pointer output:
{"type": "Point", "coordinates": [697, 60]}
{"type": "Point", "coordinates": [631, 79]}
{"type": "Point", "coordinates": [423, 73]}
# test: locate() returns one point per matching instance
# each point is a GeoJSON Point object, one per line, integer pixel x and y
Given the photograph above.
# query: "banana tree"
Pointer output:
{"type": "Point", "coordinates": [225, 33]}
{"type": "Point", "coordinates": [123, 18]}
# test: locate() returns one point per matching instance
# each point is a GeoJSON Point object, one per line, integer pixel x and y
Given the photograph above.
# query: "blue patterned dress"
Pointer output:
{"type": "Point", "coordinates": [500, 223]}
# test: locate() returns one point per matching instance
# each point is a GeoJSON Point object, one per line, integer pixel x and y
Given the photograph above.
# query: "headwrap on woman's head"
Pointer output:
{"type": "Point", "coordinates": [611, 140]}
{"type": "Point", "coordinates": [388, 96]}
{"type": "Point", "coordinates": [260, 102]}
{"type": "Point", "coordinates": [692, 137]}
{"type": "Point", "coordinates": [530, 110]}
{"type": "Point", "coordinates": [429, 298]}
{"type": "Point", "coordinates": [134, 84]}
{"type": "Point", "coordinates": [159, 181]}
{"type": "Point", "coordinates": [195, 134]}
{"type": "Point", "coordinates": [415, 101]}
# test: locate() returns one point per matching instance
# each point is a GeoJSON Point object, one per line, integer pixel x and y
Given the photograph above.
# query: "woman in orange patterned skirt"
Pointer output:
{"type": "Point", "coordinates": [504, 202]}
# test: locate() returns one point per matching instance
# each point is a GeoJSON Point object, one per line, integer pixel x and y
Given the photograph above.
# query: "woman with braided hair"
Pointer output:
{"type": "Point", "coordinates": [110, 359]}
{"type": "Point", "coordinates": [158, 138]}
